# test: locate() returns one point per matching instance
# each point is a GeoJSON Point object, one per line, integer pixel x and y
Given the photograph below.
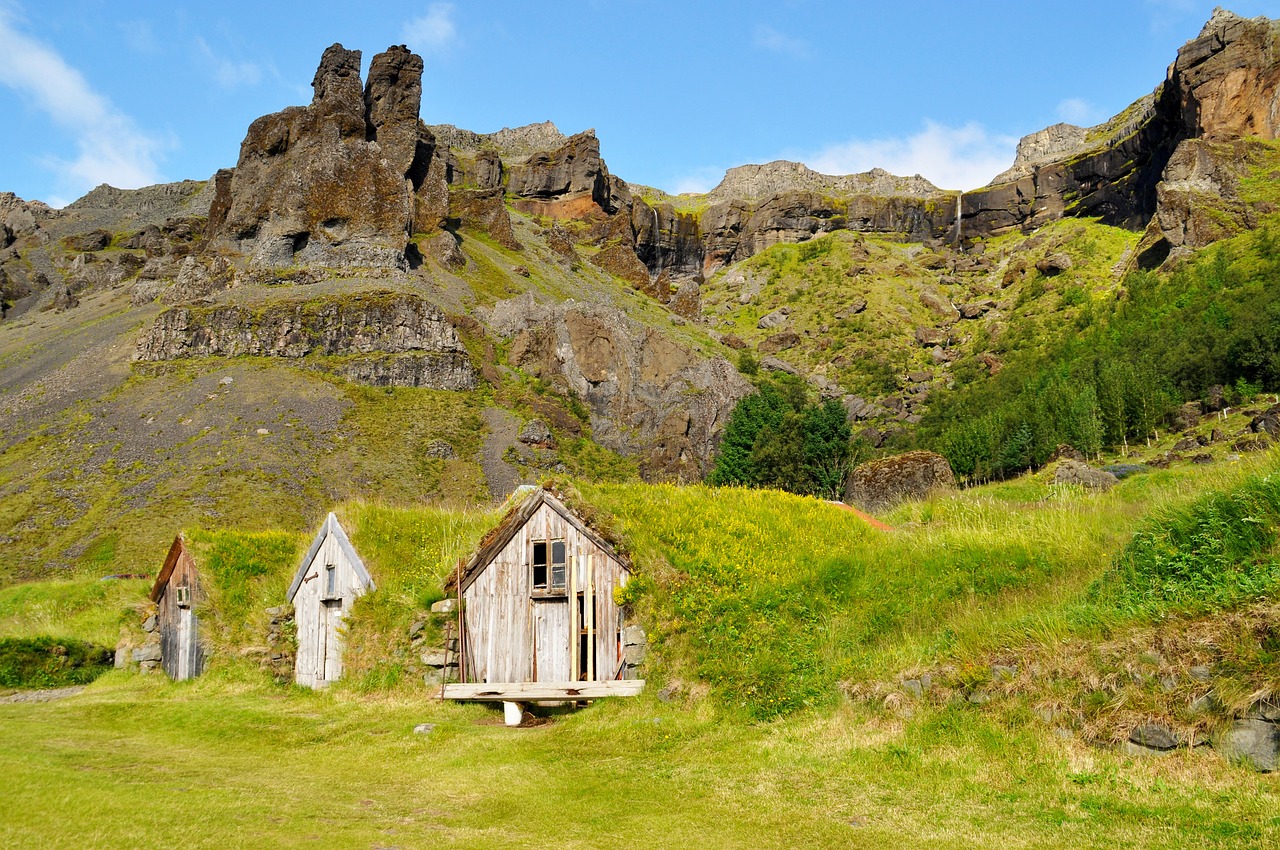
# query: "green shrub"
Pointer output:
{"type": "Point", "coordinates": [46, 662]}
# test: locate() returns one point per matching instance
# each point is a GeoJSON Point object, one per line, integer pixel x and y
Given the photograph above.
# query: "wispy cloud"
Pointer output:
{"type": "Point", "coordinates": [139, 36]}
{"type": "Point", "coordinates": [768, 38]}
{"type": "Point", "coordinates": [112, 149]}
{"type": "Point", "coordinates": [699, 181]}
{"type": "Point", "coordinates": [950, 157]}
{"type": "Point", "coordinates": [1075, 110]}
{"type": "Point", "coordinates": [434, 30]}
{"type": "Point", "coordinates": [228, 73]}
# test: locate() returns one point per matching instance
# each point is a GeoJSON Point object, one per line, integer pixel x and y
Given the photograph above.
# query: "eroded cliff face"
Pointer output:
{"type": "Point", "coordinates": [1224, 85]}
{"type": "Point", "coordinates": [391, 340]}
{"type": "Point", "coordinates": [649, 396]}
{"type": "Point", "coordinates": [341, 183]}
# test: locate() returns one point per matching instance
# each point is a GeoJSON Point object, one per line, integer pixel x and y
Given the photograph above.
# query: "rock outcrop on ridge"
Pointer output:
{"type": "Point", "coordinates": [341, 183]}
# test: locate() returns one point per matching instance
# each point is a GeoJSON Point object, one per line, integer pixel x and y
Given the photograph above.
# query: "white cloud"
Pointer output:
{"type": "Point", "coordinates": [111, 147]}
{"type": "Point", "coordinates": [699, 182]}
{"type": "Point", "coordinates": [435, 29]}
{"type": "Point", "coordinates": [770, 39]}
{"type": "Point", "coordinates": [229, 74]}
{"type": "Point", "coordinates": [950, 157]}
{"type": "Point", "coordinates": [1075, 110]}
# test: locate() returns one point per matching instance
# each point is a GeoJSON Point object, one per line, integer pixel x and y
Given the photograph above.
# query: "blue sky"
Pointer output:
{"type": "Point", "coordinates": [144, 92]}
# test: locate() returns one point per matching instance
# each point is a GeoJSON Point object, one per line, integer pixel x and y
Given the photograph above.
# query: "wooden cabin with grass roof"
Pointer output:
{"type": "Point", "coordinates": [178, 594]}
{"type": "Point", "coordinates": [537, 612]}
{"type": "Point", "coordinates": [327, 583]}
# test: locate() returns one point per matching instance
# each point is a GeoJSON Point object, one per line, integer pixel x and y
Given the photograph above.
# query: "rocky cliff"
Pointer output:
{"type": "Point", "coordinates": [380, 325]}
{"type": "Point", "coordinates": [1222, 86]}
{"type": "Point", "coordinates": [343, 182]}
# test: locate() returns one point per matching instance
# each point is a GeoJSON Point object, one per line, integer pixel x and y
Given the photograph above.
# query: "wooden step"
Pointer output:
{"type": "Point", "coordinates": [534, 691]}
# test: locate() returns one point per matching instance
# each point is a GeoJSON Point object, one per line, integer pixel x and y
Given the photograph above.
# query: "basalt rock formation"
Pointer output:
{"type": "Point", "coordinates": [400, 340]}
{"type": "Point", "coordinates": [343, 182]}
{"type": "Point", "coordinates": [1223, 86]}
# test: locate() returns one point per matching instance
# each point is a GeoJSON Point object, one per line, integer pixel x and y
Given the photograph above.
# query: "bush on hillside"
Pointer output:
{"type": "Point", "coordinates": [46, 662]}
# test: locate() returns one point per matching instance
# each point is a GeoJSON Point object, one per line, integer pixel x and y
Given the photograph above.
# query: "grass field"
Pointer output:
{"type": "Point", "coordinates": [223, 763]}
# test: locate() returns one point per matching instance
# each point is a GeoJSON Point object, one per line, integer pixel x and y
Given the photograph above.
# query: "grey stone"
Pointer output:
{"type": "Point", "coordinates": [979, 697]}
{"type": "Point", "coordinates": [445, 606]}
{"type": "Point", "coordinates": [276, 612]}
{"type": "Point", "coordinates": [1200, 672]}
{"type": "Point", "coordinates": [148, 653]}
{"type": "Point", "coordinates": [1264, 710]}
{"type": "Point", "coordinates": [1075, 472]}
{"type": "Point", "coordinates": [634, 636]}
{"type": "Point", "coordinates": [440, 449]}
{"type": "Point", "coordinates": [773, 364]}
{"type": "Point", "coordinates": [1203, 704]}
{"type": "Point", "coordinates": [437, 658]}
{"type": "Point", "coordinates": [634, 655]}
{"type": "Point", "coordinates": [914, 687]}
{"type": "Point", "coordinates": [1153, 736]}
{"type": "Point", "coordinates": [415, 630]}
{"type": "Point", "coordinates": [536, 433]}
{"type": "Point", "coordinates": [1253, 742]}
{"type": "Point", "coordinates": [775, 319]}
{"type": "Point", "coordinates": [226, 382]}
{"type": "Point", "coordinates": [1140, 750]}
{"type": "Point", "coordinates": [149, 624]}
{"type": "Point", "coordinates": [122, 656]}
{"type": "Point", "coordinates": [424, 728]}
{"type": "Point", "coordinates": [856, 306]}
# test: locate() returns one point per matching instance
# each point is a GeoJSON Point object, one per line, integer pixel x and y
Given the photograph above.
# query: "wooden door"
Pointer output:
{"type": "Point", "coordinates": [330, 658]}
{"type": "Point", "coordinates": [186, 636]}
{"type": "Point", "coordinates": [551, 641]}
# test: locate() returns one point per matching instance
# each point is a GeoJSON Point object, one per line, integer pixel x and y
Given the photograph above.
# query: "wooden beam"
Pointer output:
{"type": "Point", "coordinates": [533, 691]}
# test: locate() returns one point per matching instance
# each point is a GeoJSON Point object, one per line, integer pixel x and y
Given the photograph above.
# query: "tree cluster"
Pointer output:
{"type": "Point", "coordinates": [777, 438]}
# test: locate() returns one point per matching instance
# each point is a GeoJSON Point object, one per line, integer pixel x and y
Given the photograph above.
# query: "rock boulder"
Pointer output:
{"type": "Point", "coordinates": [880, 484]}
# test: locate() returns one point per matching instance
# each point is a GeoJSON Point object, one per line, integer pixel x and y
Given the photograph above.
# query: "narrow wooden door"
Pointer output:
{"type": "Point", "coordinates": [186, 634]}
{"type": "Point", "coordinates": [551, 641]}
{"type": "Point", "coordinates": [330, 659]}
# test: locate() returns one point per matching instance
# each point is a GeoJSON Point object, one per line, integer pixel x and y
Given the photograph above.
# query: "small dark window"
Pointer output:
{"type": "Point", "coordinates": [540, 566]}
{"type": "Point", "coordinates": [182, 595]}
{"type": "Point", "coordinates": [330, 580]}
{"type": "Point", "coordinates": [557, 565]}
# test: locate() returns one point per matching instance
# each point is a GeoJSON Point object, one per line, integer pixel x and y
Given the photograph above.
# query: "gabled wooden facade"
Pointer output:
{"type": "Point", "coordinates": [538, 604]}
{"type": "Point", "coordinates": [178, 595]}
{"type": "Point", "coordinates": [328, 581]}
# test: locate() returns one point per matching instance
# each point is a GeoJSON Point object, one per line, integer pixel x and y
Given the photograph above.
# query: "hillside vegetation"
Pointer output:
{"type": "Point", "coordinates": [780, 642]}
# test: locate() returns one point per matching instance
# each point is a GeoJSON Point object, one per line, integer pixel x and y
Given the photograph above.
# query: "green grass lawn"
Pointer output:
{"type": "Point", "coordinates": [228, 762]}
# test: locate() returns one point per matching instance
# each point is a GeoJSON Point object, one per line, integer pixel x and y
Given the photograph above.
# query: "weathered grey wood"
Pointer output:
{"type": "Point", "coordinates": [512, 633]}
{"type": "Point", "coordinates": [535, 691]}
{"type": "Point", "coordinates": [318, 613]}
{"type": "Point", "coordinates": [181, 651]}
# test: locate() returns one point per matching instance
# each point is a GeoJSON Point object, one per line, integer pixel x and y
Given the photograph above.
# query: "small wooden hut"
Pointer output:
{"type": "Point", "coordinates": [178, 594]}
{"type": "Point", "coordinates": [328, 581]}
{"type": "Point", "coordinates": [538, 617]}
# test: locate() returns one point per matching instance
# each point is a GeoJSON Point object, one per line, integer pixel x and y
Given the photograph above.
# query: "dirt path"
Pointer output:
{"type": "Point", "coordinates": [42, 696]}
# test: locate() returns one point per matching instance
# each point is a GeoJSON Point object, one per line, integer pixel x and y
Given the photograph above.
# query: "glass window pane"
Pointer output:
{"type": "Point", "coordinates": [557, 552]}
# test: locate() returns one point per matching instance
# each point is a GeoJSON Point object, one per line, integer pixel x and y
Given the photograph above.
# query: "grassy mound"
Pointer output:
{"type": "Point", "coordinates": [46, 662]}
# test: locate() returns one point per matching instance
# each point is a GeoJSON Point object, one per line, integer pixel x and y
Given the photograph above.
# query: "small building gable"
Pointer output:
{"type": "Point", "coordinates": [538, 601]}
{"type": "Point", "coordinates": [178, 595]}
{"type": "Point", "coordinates": [328, 581]}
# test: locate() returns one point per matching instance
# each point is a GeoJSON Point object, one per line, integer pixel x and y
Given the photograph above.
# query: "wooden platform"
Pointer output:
{"type": "Point", "coordinates": [536, 691]}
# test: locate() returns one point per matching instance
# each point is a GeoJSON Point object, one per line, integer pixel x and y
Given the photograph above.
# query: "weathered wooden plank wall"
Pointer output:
{"type": "Point", "coordinates": [513, 636]}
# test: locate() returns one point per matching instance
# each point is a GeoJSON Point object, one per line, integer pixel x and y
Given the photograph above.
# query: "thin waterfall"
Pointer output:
{"type": "Point", "coordinates": [959, 217]}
